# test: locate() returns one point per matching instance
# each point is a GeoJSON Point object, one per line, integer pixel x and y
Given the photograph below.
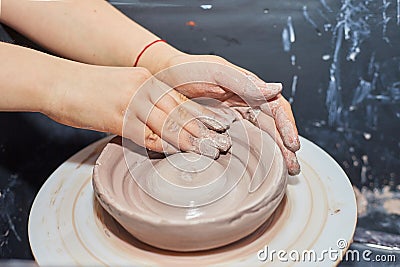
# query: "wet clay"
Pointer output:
{"type": "Point", "coordinates": [189, 202]}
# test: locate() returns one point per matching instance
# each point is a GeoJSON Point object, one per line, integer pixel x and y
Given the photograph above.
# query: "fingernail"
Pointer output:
{"type": "Point", "coordinates": [224, 142]}
{"type": "Point", "coordinates": [202, 146]}
{"type": "Point", "coordinates": [275, 88]}
{"type": "Point", "coordinates": [221, 141]}
{"type": "Point", "coordinates": [214, 124]}
{"type": "Point", "coordinates": [294, 166]}
{"type": "Point", "coordinates": [296, 143]}
{"type": "Point", "coordinates": [269, 89]}
{"type": "Point", "coordinates": [291, 140]}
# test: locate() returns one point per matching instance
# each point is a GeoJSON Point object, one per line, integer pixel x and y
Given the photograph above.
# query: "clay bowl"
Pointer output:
{"type": "Point", "coordinates": [187, 202]}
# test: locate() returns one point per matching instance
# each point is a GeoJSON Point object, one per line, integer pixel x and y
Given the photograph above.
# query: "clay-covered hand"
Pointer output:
{"type": "Point", "coordinates": [131, 103]}
{"type": "Point", "coordinates": [219, 79]}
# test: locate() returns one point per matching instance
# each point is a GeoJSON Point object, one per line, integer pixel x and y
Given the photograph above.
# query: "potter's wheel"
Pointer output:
{"type": "Point", "coordinates": [67, 227]}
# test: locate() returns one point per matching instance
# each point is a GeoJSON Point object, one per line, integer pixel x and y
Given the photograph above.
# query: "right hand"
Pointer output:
{"type": "Point", "coordinates": [158, 118]}
{"type": "Point", "coordinates": [239, 89]}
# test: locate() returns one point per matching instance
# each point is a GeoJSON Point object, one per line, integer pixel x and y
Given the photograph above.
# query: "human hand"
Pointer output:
{"type": "Point", "coordinates": [131, 103]}
{"type": "Point", "coordinates": [219, 79]}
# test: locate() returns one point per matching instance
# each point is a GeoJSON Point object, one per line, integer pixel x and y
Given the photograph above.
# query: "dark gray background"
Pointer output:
{"type": "Point", "coordinates": [351, 108]}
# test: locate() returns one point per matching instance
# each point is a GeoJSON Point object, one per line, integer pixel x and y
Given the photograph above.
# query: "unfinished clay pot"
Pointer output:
{"type": "Point", "coordinates": [188, 202]}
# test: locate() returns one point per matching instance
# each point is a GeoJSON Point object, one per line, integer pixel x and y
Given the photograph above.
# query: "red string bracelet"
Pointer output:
{"type": "Point", "coordinates": [144, 49]}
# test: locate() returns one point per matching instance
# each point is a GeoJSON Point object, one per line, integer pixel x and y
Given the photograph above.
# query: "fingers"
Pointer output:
{"type": "Point", "coordinates": [179, 111]}
{"type": "Point", "coordinates": [268, 90]}
{"type": "Point", "coordinates": [197, 78]}
{"type": "Point", "coordinates": [267, 124]}
{"type": "Point", "coordinates": [281, 111]}
{"type": "Point", "coordinates": [181, 115]}
{"type": "Point", "coordinates": [169, 130]}
{"type": "Point", "coordinates": [209, 118]}
{"type": "Point", "coordinates": [251, 89]}
{"type": "Point", "coordinates": [142, 135]}
{"type": "Point", "coordinates": [292, 163]}
{"type": "Point", "coordinates": [290, 158]}
{"type": "Point", "coordinates": [167, 114]}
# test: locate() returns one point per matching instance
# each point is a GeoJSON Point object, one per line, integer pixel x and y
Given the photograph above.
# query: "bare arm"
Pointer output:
{"type": "Point", "coordinates": [99, 97]}
{"type": "Point", "coordinates": [24, 85]}
{"type": "Point", "coordinates": [89, 31]}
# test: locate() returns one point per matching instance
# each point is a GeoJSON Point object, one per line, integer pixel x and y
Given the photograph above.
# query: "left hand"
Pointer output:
{"type": "Point", "coordinates": [238, 88]}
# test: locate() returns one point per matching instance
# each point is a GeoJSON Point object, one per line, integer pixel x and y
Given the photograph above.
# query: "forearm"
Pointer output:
{"type": "Point", "coordinates": [69, 92]}
{"type": "Point", "coordinates": [90, 31]}
{"type": "Point", "coordinates": [38, 82]}
{"type": "Point", "coordinates": [26, 78]}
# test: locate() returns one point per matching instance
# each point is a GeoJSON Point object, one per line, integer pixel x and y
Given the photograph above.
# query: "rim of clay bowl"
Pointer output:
{"type": "Point", "coordinates": [263, 200]}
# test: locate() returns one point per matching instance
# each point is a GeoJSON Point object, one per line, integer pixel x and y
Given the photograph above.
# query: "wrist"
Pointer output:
{"type": "Point", "coordinates": [60, 88]}
{"type": "Point", "coordinates": [157, 57]}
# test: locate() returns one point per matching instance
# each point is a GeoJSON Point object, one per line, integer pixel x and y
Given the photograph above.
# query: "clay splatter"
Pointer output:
{"type": "Point", "coordinates": [398, 12]}
{"type": "Point", "coordinates": [293, 59]}
{"type": "Point", "coordinates": [386, 20]}
{"type": "Point", "coordinates": [206, 7]}
{"type": "Point", "coordinates": [292, 35]}
{"type": "Point", "coordinates": [306, 15]}
{"type": "Point", "coordinates": [285, 40]}
{"type": "Point", "coordinates": [325, 5]}
{"type": "Point", "coordinates": [288, 37]}
{"type": "Point", "coordinates": [294, 87]}
{"type": "Point", "coordinates": [7, 203]}
{"type": "Point", "coordinates": [326, 57]}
